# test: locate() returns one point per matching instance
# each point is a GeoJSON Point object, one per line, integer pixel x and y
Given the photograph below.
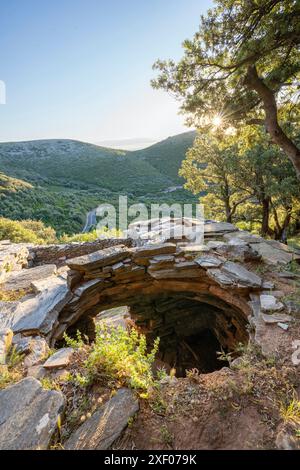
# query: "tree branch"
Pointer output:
{"type": "Point", "coordinates": [253, 82]}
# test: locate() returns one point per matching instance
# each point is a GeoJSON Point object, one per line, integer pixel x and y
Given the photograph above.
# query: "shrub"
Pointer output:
{"type": "Point", "coordinates": [26, 231]}
{"type": "Point", "coordinates": [90, 236]}
{"type": "Point", "coordinates": [120, 355]}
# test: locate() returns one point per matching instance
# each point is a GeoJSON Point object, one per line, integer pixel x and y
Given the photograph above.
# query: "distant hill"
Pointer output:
{"type": "Point", "coordinates": [166, 156]}
{"type": "Point", "coordinates": [58, 181]}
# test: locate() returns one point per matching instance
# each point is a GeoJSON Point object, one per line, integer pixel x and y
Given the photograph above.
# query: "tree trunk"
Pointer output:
{"type": "Point", "coordinates": [228, 214]}
{"type": "Point", "coordinates": [267, 96]}
{"type": "Point", "coordinates": [228, 210]}
{"type": "Point", "coordinates": [265, 217]}
{"type": "Point", "coordinates": [281, 230]}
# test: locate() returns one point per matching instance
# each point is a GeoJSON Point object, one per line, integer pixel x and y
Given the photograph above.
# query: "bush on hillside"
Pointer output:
{"type": "Point", "coordinates": [90, 236]}
{"type": "Point", "coordinates": [26, 231]}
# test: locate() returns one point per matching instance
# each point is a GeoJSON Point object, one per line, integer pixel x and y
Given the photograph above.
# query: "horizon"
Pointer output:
{"type": "Point", "coordinates": [80, 71]}
{"type": "Point", "coordinates": [131, 144]}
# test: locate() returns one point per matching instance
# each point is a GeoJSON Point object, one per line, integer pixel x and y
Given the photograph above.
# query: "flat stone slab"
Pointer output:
{"type": "Point", "coordinates": [241, 275]}
{"type": "Point", "coordinates": [153, 250]}
{"type": "Point", "coordinates": [105, 425]}
{"type": "Point", "coordinates": [220, 277]}
{"type": "Point", "coordinates": [218, 227]}
{"type": "Point", "coordinates": [99, 258]}
{"type": "Point", "coordinates": [39, 314]}
{"type": "Point", "coordinates": [234, 274]}
{"type": "Point", "coordinates": [269, 303]}
{"type": "Point", "coordinates": [274, 254]}
{"type": "Point", "coordinates": [208, 262]}
{"type": "Point", "coordinates": [13, 256]}
{"type": "Point", "coordinates": [38, 348]}
{"type": "Point", "coordinates": [7, 312]}
{"type": "Point", "coordinates": [28, 415]}
{"type": "Point", "coordinates": [194, 249]}
{"type": "Point", "coordinates": [276, 317]}
{"type": "Point", "coordinates": [23, 279]}
{"type": "Point", "coordinates": [59, 359]}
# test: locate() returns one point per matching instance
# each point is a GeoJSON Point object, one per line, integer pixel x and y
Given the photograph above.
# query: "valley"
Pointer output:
{"type": "Point", "coordinates": [60, 181]}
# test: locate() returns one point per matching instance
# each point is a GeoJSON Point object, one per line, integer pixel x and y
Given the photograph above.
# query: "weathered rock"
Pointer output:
{"type": "Point", "coordinates": [105, 426]}
{"type": "Point", "coordinates": [220, 277]}
{"type": "Point", "coordinates": [99, 258]}
{"type": "Point", "coordinates": [37, 371]}
{"type": "Point", "coordinates": [186, 269]}
{"type": "Point", "coordinates": [274, 254]}
{"type": "Point", "coordinates": [276, 317]}
{"type": "Point", "coordinates": [153, 250]}
{"type": "Point", "coordinates": [6, 337]}
{"type": "Point", "coordinates": [114, 317]}
{"type": "Point", "coordinates": [193, 249]}
{"type": "Point", "coordinates": [244, 236]}
{"type": "Point", "coordinates": [74, 278]}
{"type": "Point", "coordinates": [13, 257]}
{"type": "Point", "coordinates": [287, 440]}
{"type": "Point", "coordinates": [283, 326]}
{"type": "Point", "coordinates": [218, 228]}
{"type": "Point", "coordinates": [38, 350]}
{"type": "Point", "coordinates": [293, 308]}
{"type": "Point", "coordinates": [161, 230]}
{"type": "Point", "coordinates": [23, 279]}
{"type": "Point", "coordinates": [268, 285]}
{"type": "Point", "coordinates": [89, 286]}
{"type": "Point", "coordinates": [241, 275]}
{"type": "Point", "coordinates": [58, 254]}
{"type": "Point", "coordinates": [234, 274]}
{"type": "Point", "coordinates": [135, 273]}
{"type": "Point", "coordinates": [208, 261]}
{"type": "Point", "coordinates": [269, 303]}
{"type": "Point", "coordinates": [162, 261]}
{"type": "Point", "coordinates": [28, 415]}
{"type": "Point", "coordinates": [7, 311]}
{"type": "Point", "coordinates": [59, 359]}
{"type": "Point", "coordinates": [238, 250]}
{"type": "Point", "coordinates": [39, 314]}
{"type": "Point", "coordinates": [22, 343]}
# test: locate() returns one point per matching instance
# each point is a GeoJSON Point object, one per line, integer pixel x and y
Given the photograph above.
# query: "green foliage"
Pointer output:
{"type": "Point", "coordinates": [63, 180]}
{"type": "Point", "coordinates": [90, 236]}
{"type": "Point", "coordinates": [223, 356]}
{"type": "Point", "coordinates": [12, 184]}
{"type": "Point", "coordinates": [27, 231]}
{"type": "Point", "coordinates": [242, 67]}
{"type": "Point", "coordinates": [211, 169]}
{"type": "Point", "coordinates": [244, 179]}
{"type": "Point", "coordinates": [290, 412]}
{"type": "Point", "coordinates": [294, 242]}
{"type": "Point", "coordinates": [49, 384]}
{"type": "Point", "coordinates": [121, 356]}
{"type": "Point", "coordinates": [75, 343]}
{"type": "Point", "coordinates": [14, 357]}
{"type": "Point", "coordinates": [8, 377]}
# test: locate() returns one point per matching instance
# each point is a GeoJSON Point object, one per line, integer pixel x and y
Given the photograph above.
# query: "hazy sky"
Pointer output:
{"type": "Point", "coordinates": [81, 69]}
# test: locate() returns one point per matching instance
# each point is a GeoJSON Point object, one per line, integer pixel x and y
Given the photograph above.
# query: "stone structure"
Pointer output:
{"type": "Point", "coordinates": [195, 298]}
{"type": "Point", "coordinates": [174, 291]}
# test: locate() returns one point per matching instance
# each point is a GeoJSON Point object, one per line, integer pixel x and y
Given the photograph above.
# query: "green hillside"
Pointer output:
{"type": "Point", "coordinates": [58, 181]}
{"type": "Point", "coordinates": [166, 156]}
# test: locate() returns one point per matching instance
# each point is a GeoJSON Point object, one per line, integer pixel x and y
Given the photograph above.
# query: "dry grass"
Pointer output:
{"type": "Point", "coordinates": [13, 295]}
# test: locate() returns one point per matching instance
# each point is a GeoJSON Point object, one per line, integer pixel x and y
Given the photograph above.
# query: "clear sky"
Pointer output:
{"type": "Point", "coordinates": [81, 69]}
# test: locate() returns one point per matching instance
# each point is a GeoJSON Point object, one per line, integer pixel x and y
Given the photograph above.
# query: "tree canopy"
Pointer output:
{"type": "Point", "coordinates": [242, 66]}
{"type": "Point", "coordinates": [244, 179]}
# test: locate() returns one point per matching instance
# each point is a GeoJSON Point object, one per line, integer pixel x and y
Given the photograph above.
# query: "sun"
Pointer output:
{"type": "Point", "coordinates": [217, 120]}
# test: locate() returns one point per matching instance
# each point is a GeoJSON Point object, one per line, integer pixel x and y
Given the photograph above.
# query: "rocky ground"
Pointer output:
{"type": "Point", "coordinates": [251, 290]}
